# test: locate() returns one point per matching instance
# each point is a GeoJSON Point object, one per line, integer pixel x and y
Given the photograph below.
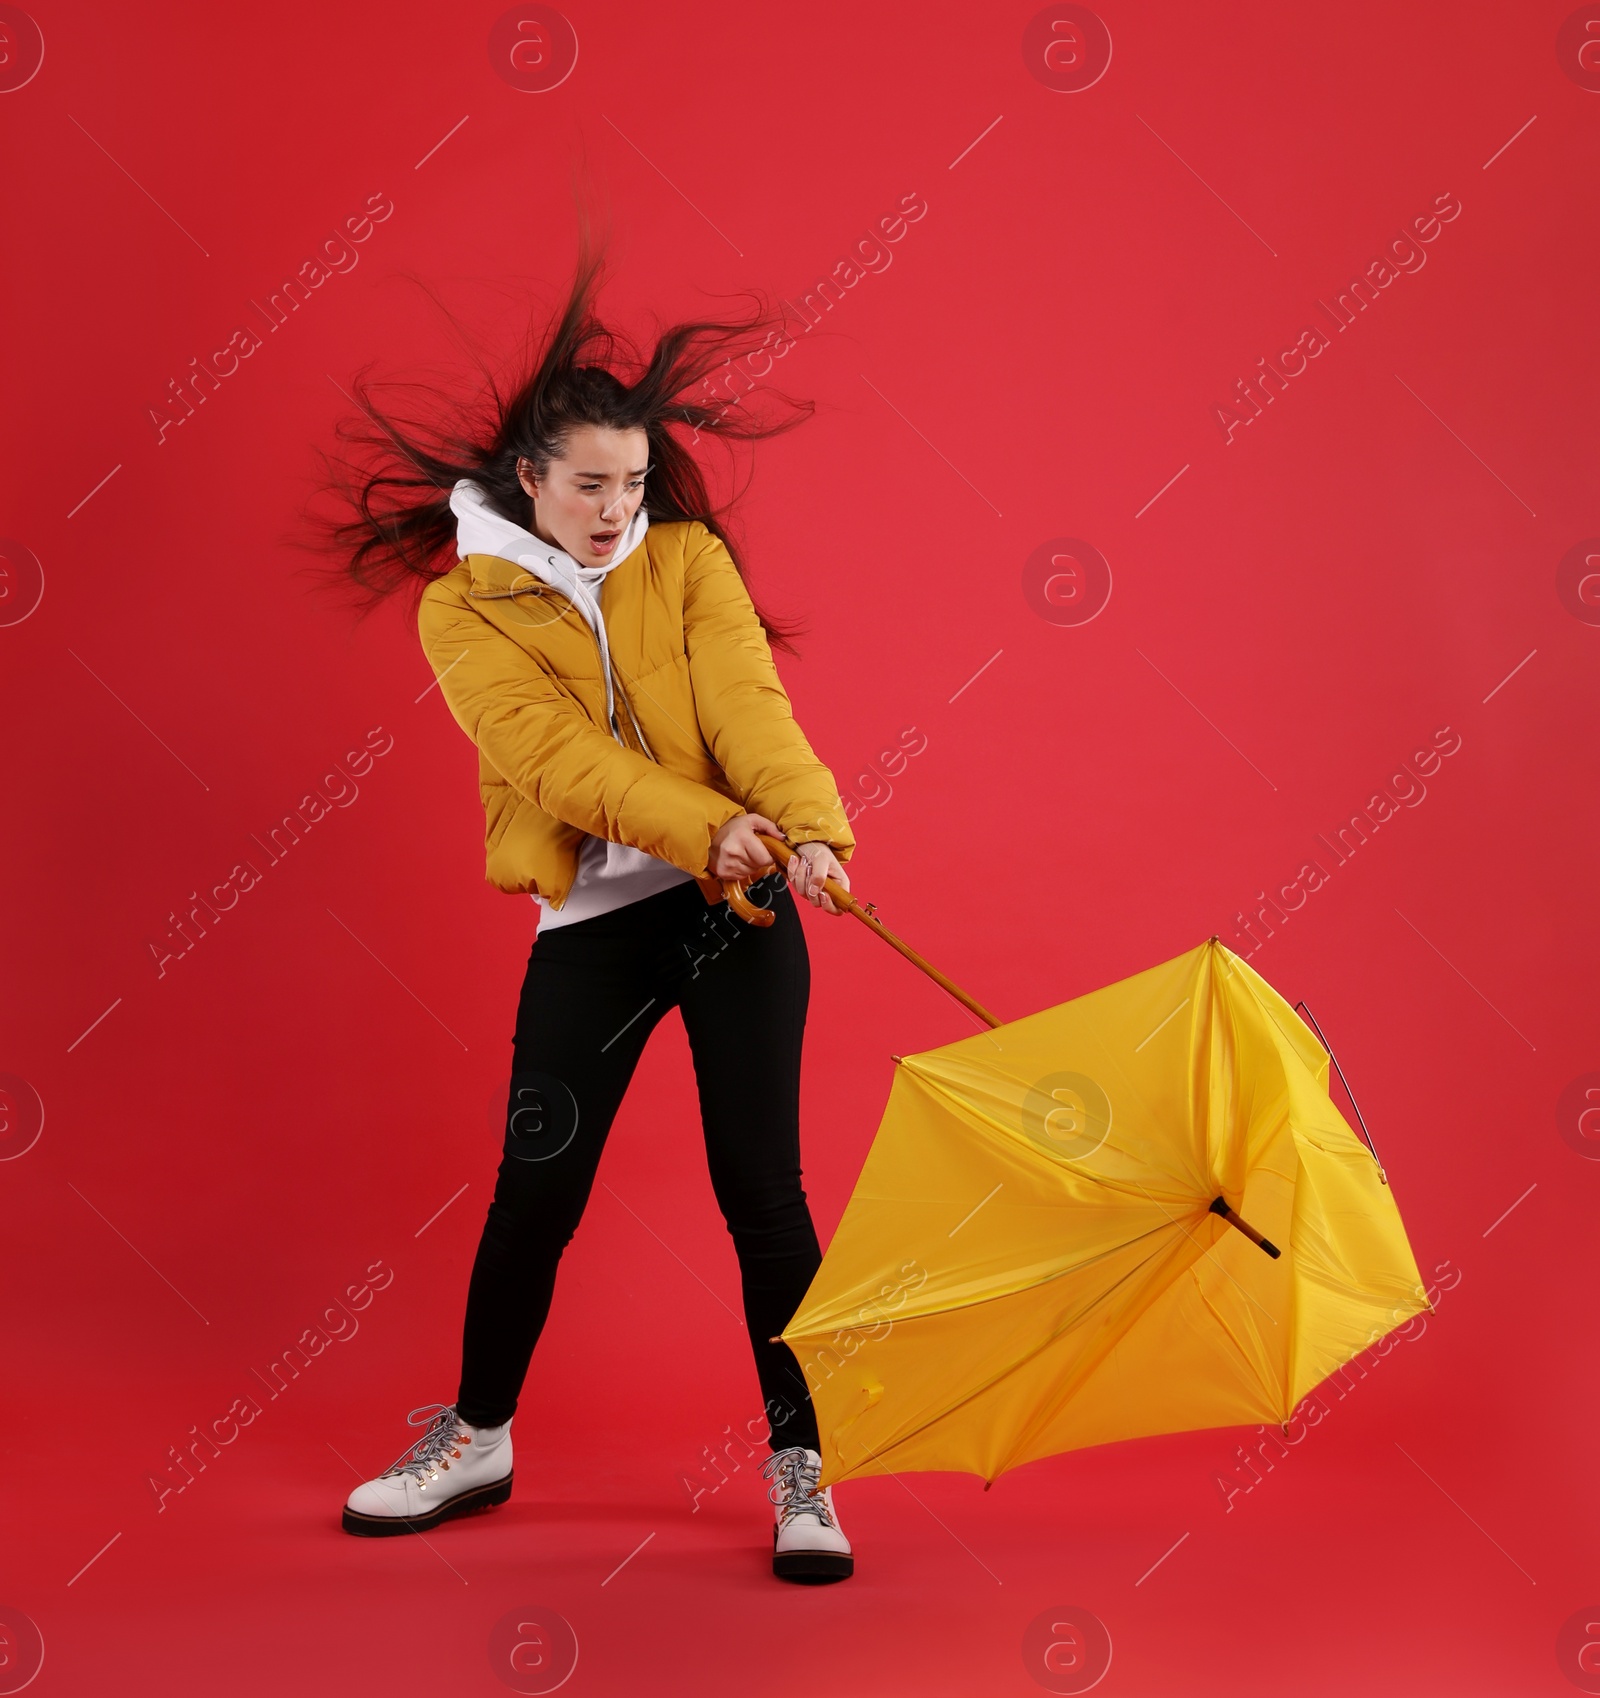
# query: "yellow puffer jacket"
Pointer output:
{"type": "Point", "coordinates": [520, 670]}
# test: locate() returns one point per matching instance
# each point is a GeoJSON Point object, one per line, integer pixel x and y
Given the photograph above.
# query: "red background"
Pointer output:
{"type": "Point", "coordinates": [237, 1139]}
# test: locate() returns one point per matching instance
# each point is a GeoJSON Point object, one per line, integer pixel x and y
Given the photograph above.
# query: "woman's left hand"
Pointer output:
{"type": "Point", "coordinates": [807, 867]}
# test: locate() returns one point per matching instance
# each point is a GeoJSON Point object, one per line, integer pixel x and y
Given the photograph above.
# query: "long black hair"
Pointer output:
{"type": "Point", "coordinates": [391, 481]}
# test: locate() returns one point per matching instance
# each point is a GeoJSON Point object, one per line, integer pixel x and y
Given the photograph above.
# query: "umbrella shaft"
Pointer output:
{"type": "Point", "coordinates": [1220, 1207]}
{"type": "Point", "coordinates": [843, 899]}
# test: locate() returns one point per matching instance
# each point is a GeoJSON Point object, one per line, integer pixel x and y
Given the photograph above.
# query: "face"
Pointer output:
{"type": "Point", "coordinates": [584, 501]}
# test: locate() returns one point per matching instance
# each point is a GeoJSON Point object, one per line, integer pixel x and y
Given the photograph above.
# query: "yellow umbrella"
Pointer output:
{"type": "Point", "coordinates": [1068, 1230]}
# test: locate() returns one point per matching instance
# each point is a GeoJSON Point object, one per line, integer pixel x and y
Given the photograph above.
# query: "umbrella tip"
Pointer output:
{"type": "Point", "coordinates": [893, 1056]}
{"type": "Point", "coordinates": [987, 1484]}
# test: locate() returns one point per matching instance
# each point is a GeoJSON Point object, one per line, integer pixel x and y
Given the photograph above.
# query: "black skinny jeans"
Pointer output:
{"type": "Point", "coordinates": [593, 993]}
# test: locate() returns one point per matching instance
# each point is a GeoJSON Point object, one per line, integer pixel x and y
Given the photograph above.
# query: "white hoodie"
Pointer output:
{"type": "Point", "coordinates": [610, 875]}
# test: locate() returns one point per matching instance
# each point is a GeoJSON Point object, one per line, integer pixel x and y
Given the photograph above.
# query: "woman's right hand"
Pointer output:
{"type": "Point", "coordinates": [737, 852]}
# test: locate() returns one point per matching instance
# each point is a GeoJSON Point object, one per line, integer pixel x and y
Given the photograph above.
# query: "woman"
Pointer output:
{"type": "Point", "coordinates": [596, 640]}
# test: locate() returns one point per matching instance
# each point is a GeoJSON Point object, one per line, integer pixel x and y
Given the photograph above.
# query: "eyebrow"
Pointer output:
{"type": "Point", "coordinates": [638, 472]}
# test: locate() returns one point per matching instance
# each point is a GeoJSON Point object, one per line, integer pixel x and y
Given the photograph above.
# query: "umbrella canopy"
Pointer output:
{"type": "Point", "coordinates": [1033, 1259]}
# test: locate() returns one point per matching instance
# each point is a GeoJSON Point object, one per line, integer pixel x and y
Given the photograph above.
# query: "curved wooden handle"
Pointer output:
{"type": "Point", "coordinates": [742, 905]}
{"type": "Point", "coordinates": [747, 910]}
{"type": "Point", "coordinates": [735, 889]}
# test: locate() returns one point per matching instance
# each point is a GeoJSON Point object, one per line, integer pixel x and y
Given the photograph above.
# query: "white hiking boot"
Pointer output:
{"type": "Point", "coordinates": [807, 1541]}
{"type": "Point", "coordinates": [453, 1469]}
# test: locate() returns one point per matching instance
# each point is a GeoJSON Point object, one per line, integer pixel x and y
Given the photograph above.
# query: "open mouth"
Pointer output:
{"type": "Point", "coordinates": [602, 542]}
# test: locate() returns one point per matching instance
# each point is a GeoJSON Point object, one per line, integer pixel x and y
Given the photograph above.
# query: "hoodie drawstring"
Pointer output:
{"type": "Point", "coordinates": [480, 530]}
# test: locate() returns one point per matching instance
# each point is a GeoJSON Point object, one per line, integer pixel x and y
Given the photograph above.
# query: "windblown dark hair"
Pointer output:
{"type": "Point", "coordinates": [392, 526]}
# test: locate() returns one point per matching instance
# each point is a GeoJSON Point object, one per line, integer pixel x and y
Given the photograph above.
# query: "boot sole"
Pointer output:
{"type": "Point", "coordinates": [811, 1565]}
{"type": "Point", "coordinates": [468, 1503]}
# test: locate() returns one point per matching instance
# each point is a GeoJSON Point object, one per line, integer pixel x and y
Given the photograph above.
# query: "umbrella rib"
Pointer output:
{"type": "Point", "coordinates": [990, 1124]}
{"type": "Point", "coordinates": [1006, 1372]}
{"type": "Point", "coordinates": [1205, 1252]}
{"type": "Point", "coordinates": [1085, 1371]}
{"type": "Point", "coordinates": [1280, 1390]}
{"type": "Point", "coordinates": [1077, 1267]}
{"type": "Point", "coordinates": [1360, 1120]}
{"type": "Point", "coordinates": [1081, 1377]}
{"type": "Point", "coordinates": [1001, 1296]}
{"type": "Point", "coordinates": [1365, 1142]}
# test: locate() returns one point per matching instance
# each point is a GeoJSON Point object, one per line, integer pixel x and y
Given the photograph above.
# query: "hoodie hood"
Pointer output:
{"type": "Point", "coordinates": [480, 530]}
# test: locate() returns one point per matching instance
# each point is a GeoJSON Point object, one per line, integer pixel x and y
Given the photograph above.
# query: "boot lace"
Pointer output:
{"type": "Point", "coordinates": [440, 1442]}
{"type": "Point", "coordinates": [795, 1488]}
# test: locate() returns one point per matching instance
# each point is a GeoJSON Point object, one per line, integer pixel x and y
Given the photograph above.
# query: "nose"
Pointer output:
{"type": "Point", "coordinates": [615, 510]}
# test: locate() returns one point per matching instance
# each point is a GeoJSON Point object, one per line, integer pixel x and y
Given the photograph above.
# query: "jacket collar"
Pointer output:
{"type": "Point", "coordinates": [507, 559]}
{"type": "Point", "coordinates": [495, 576]}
